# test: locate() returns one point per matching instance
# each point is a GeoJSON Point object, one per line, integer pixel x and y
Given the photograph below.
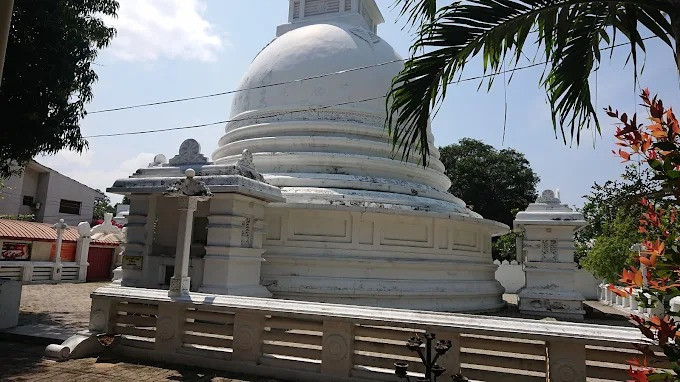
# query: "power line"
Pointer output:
{"type": "Point", "coordinates": [312, 78]}
{"type": "Point", "coordinates": [233, 120]}
{"type": "Point", "coordinates": [244, 89]}
{"type": "Point", "coordinates": [305, 110]}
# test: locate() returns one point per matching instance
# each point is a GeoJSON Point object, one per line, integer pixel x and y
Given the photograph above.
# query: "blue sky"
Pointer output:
{"type": "Point", "coordinates": [178, 48]}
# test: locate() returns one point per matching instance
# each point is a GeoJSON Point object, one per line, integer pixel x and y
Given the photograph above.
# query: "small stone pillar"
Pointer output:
{"type": "Point", "coordinates": [548, 227]}
{"type": "Point", "coordinates": [56, 270]}
{"type": "Point", "coordinates": [83, 249]}
{"type": "Point", "coordinates": [190, 192]}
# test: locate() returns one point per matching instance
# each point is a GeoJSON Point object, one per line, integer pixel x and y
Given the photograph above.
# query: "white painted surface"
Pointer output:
{"type": "Point", "coordinates": [511, 277]}
{"type": "Point", "coordinates": [262, 336]}
{"type": "Point", "coordinates": [547, 252]}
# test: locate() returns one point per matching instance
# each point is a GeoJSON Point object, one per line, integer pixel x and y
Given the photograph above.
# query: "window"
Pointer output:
{"type": "Point", "coordinates": [28, 201]}
{"type": "Point", "coordinates": [69, 207]}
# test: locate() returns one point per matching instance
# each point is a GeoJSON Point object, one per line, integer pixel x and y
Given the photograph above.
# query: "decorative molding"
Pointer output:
{"type": "Point", "coordinates": [548, 197]}
{"type": "Point", "coordinates": [308, 115]}
{"type": "Point", "coordinates": [165, 328]}
{"type": "Point", "coordinates": [337, 347]}
{"type": "Point", "coordinates": [189, 153]}
{"type": "Point", "coordinates": [244, 337]}
{"type": "Point", "coordinates": [189, 187]}
{"type": "Point", "coordinates": [245, 167]}
{"type": "Point", "coordinates": [98, 320]}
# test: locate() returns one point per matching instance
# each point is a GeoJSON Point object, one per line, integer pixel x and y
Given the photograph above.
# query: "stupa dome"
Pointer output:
{"type": "Point", "coordinates": [317, 138]}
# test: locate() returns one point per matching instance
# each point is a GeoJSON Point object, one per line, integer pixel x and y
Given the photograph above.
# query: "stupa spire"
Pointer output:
{"type": "Point", "coordinates": [362, 13]}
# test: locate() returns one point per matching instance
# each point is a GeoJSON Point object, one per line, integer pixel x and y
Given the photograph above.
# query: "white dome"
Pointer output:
{"type": "Point", "coordinates": [314, 50]}
{"type": "Point", "coordinates": [314, 140]}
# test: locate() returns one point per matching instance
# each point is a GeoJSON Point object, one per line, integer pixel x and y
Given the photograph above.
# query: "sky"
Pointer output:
{"type": "Point", "coordinates": [167, 49]}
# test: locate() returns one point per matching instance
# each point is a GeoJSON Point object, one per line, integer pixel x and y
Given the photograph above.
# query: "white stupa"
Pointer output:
{"type": "Point", "coordinates": [357, 226]}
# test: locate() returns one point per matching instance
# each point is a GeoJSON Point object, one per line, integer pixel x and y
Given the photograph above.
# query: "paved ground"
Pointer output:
{"type": "Point", "coordinates": [55, 311]}
{"type": "Point", "coordinates": [24, 362]}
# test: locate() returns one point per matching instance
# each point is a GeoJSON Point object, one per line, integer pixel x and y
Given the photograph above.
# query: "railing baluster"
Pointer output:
{"type": "Point", "coordinates": [169, 327]}
{"type": "Point", "coordinates": [566, 361]}
{"type": "Point", "coordinates": [337, 348]}
{"type": "Point", "coordinates": [248, 333]}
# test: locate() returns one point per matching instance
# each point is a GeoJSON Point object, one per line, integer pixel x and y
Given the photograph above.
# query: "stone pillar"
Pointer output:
{"type": "Point", "coordinates": [82, 251]}
{"type": "Point", "coordinates": [566, 361]}
{"type": "Point", "coordinates": [169, 327]}
{"type": "Point", "coordinates": [180, 282]}
{"type": "Point", "coordinates": [234, 249]}
{"type": "Point", "coordinates": [139, 238]}
{"type": "Point", "coordinates": [248, 334]}
{"type": "Point", "coordinates": [548, 230]}
{"type": "Point", "coordinates": [337, 348]}
{"type": "Point", "coordinates": [56, 269]}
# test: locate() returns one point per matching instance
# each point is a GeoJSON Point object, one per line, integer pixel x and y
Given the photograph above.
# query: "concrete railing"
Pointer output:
{"type": "Point", "coordinates": [330, 342]}
{"type": "Point", "coordinates": [37, 272]}
{"type": "Point", "coordinates": [511, 276]}
{"type": "Point", "coordinates": [627, 303]}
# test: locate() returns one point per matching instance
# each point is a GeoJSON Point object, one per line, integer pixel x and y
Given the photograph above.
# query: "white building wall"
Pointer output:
{"type": "Point", "coordinates": [47, 187]}
{"type": "Point", "coordinates": [62, 187]}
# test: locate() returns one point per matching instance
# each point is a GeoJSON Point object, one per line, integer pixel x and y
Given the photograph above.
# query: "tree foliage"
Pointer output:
{"type": "Point", "coordinates": [494, 183]}
{"type": "Point", "coordinates": [102, 206]}
{"type": "Point", "coordinates": [612, 211]}
{"type": "Point", "coordinates": [655, 273]}
{"type": "Point", "coordinates": [569, 35]}
{"type": "Point", "coordinates": [48, 76]}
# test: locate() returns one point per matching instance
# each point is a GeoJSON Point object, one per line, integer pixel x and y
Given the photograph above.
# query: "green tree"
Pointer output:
{"type": "Point", "coordinates": [102, 206]}
{"type": "Point", "coordinates": [612, 211]}
{"type": "Point", "coordinates": [48, 76]}
{"type": "Point", "coordinates": [494, 183]}
{"type": "Point", "coordinates": [570, 34]}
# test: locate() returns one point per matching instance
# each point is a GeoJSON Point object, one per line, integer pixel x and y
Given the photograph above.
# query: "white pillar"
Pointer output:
{"type": "Point", "coordinates": [180, 282]}
{"type": "Point", "coordinates": [82, 251]}
{"type": "Point", "coordinates": [56, 269]}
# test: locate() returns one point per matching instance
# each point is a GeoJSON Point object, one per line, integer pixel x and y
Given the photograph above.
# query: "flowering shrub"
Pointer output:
{"type": "Point", "coordinates": [658, 145]}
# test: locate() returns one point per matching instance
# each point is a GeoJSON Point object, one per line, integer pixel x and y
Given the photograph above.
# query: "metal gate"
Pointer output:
{"type": "Point", "coordinates": [99, 267]}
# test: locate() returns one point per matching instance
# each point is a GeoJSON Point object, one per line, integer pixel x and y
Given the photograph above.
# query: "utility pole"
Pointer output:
{"type": "Point", "coordinates": [6, 7]}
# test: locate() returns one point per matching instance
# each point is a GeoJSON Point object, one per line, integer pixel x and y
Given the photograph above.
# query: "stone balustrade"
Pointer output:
{"type": "Point", "coordinates": [43, 272]}
{"type": "Point", "coordinates": [627, 303]}
{"type": "Point", "coordinates": [330, 342]}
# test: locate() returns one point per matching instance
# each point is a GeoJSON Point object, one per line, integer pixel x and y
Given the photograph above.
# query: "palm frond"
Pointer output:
{"type": "Point", "coordinates": [568, 32]}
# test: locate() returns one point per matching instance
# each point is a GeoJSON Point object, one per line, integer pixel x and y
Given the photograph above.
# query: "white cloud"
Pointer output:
{"type": "Point", "coordinates": [83, 159]}
{"type": "Point", "coordinates": [151, 29]}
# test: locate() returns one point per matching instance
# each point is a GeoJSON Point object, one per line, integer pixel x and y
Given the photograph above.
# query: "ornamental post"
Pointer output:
{"type": "Point", "coordinates": [190, 192]}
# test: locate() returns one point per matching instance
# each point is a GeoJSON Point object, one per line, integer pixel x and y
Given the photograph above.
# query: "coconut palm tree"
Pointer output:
{"type": "Point", "coordinates": [571, 35]}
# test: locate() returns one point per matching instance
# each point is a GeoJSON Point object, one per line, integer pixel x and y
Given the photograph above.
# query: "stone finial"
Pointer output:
{"type": "Point", "coordinates": [189, 153]}
{"type": "Point", "coordinates": [189, 186]}
{"type": "Point", "coordinates": [549, 197]}
{"type": "Point", "coordinates": [84, 229]}
{"type": "Point", "coordinates": [245, 166]}
{"type": "Point", "coordinates": [158, 161]}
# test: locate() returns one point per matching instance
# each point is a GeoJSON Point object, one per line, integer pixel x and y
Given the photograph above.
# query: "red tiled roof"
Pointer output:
{"type": "Point", "coordinates": [17, 229]}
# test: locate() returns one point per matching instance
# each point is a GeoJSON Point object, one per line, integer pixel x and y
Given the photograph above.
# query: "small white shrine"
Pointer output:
{"type": "Point", "coordinates": [546, 247]}
{"type": "Point", "coordinates": [333, 217]}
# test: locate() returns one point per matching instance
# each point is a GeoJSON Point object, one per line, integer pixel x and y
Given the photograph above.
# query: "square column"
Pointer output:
{"type": "Point", "coordinates": [547, 251]}
{"type": "Point", "coordinates": [139, 236]}
{"type": "Point", "coordinates": [234, 250]}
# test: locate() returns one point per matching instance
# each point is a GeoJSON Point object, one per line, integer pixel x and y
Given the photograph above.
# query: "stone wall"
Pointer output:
{"type": "Point", "coordinates": [511, 276]}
